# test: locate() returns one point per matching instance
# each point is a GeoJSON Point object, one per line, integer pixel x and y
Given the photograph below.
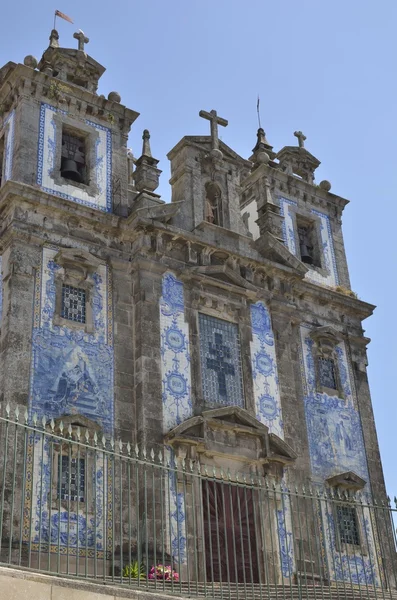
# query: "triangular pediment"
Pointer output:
{"type": "Point", "coordinates": [272, 249]}
{"type": "Point", "coordinates": [196, 432]}
{"type": "Point", "coordinates": [348, 480]}
{"type": "Point", "coordinates": [222, 274]}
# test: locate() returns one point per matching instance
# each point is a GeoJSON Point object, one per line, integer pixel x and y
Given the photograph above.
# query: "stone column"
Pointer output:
{"type": "Point", "coordinates": [381, 519]}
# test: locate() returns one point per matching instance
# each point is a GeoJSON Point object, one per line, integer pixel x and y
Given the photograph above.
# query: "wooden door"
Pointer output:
{"type": "Point", "coordinates": [231, 540]}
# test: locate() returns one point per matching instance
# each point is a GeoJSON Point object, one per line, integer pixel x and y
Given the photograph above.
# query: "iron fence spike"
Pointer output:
{"type": "Point", "coordinates": [26, 416]}
{"type": "Point", "coordinates": [120, 445]}
{"type": "Point", "coordinates": [8, 409]}
{"type": "Point", "coordinates": [52, 424]}
{"type": "Point", "coordinates": [61, 426]}
{"type": "Point", "coordinates": [95, 438]}
{"type": "Point", "coordinates": [136, 450]}
{"type": "Point", "coordinates": [152, 454]}
{"type": "Point", "coordinates": [17, 413]}
{"type": "Point", "coordinates": [78, 432]}
{"type": "Point", "coordinates": [128, 448]}
{"type": "Point", "coordinates": [34, 419]}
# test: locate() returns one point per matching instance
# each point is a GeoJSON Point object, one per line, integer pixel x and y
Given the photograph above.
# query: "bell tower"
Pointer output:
{"type": "Point", "coordinates": [205, 176]}
{"type": "Point", "coordinates": [59, 134]}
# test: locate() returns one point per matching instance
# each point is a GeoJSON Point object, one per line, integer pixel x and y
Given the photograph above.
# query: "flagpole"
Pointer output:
{"type": "Point", "coordinates": [257, 110]}
{"type": "Point", "coordinates": [55, 18]}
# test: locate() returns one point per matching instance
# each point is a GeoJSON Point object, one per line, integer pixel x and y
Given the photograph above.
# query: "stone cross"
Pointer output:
{"type": "Point", "coordinates": [301, 138]}
{"type": "Point", "coordinates": [79, 35]}
{"type": "Point", "coordinates": [215, 121]}
{"type": "Point", "coordinates": [219, 364]}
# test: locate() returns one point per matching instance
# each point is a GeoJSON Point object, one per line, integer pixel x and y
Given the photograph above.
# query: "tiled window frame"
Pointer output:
{"type": "Point", "coordinates": [64, 123]}
{"type": "Point", "coordinates": [227, 319]}
{"type": "Point", "coordinates": [304, 217]}
{"type": "Point", "coordinates": [325, 347]}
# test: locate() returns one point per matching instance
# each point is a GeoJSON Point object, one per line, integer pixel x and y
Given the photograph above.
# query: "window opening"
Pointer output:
{"type": "Point", "coordinates": [71, 477]}
{"type": "Point", "coordinates": [327, 373]}
{"type": "Point", "coordinates": [73, 164]}
{"type": "Point", "coordinates": [73, 304]}
{"type": "Point", "coordinates": [308, 245]}
{"type": "Point", "coordinates": [221, 371]}
{"type": "Point", "coordinates": [348, 525]}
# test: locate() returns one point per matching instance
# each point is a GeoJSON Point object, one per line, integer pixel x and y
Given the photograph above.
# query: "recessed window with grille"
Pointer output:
{"type": "Point", "coordinates": [348, 525]}
{"type": "Point", "coordinates": [327, 373]}
{"type": "Point", "coordinates": [220, 353]}
{"type": "Point", "coordinates": [73, 304]}
{"type": "Point", "coordinates": [71, 478]}
{"type": "Point", "coordinates": [73, 161]}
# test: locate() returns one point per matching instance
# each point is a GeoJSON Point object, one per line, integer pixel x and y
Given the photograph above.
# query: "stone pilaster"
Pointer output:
{"type": "Point", "coordinates": [147, 358]}
{"type": "Point", "coordinates": [20, 262]}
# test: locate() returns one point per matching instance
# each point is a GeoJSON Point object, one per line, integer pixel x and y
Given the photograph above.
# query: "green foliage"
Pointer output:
{"type": "Point", "coordinates": [134, 570]}
{"type": "Point", "coordinates": [343, 290]}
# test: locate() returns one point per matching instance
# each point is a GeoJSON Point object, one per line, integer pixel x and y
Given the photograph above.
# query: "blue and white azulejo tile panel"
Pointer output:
{"type": "Point", "coordinates": [72, 371]}
{"type": "Point", "coordinates": [220, 356]}
{"type": "Point", "coordinates": [336, 441]}
{"type": "Point", "coordinates": [9, 125]}
{"type": "Point", "coordinates": [336, 445]}
{"type": "Point", "coordinates": [331, 278]}
{"type": "Point", "coordinates": [175, 355]}
{"type": "Point", "coordinates": [48, 143]}
{"type": "Point", "coordinates": [264, 370]}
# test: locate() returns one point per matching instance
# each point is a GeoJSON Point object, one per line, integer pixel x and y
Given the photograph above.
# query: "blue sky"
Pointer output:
{"type": "Point", "coordinates": [327, 67]}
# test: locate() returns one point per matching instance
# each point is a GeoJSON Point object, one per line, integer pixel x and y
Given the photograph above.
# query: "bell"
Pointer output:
{"type": "Point", "coordinates": [69, 170]}
{"type": "Point", "coordinates": [306, 256]}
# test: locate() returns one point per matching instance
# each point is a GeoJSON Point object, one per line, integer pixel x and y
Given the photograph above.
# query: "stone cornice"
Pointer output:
{"type": "Point", "coordinates": [18, 84]}
{"type": "Point", "coordinates": [143, 233]}
{"type": "Point", "coordinates": [316, 194]}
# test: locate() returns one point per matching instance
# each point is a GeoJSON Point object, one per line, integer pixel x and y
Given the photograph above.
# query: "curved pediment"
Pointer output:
{"type": "Point", "coordinates": [231, 432]}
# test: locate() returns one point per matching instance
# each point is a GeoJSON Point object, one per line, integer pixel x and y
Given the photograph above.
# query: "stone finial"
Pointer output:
{"type": "Point", "coordinates": [146, 151]}
{"type": "Point", "coordinates": [260, 152]}
{"type": "Point", "coordinates": [325, 185]}
{"type": "Point", "coordinates": [82, 39]}
{"type": "Point", "coordinates": [30, 61]}
{"type": "Point", "coordinates": [54, 39]}
{"type": "Point", "coordinates": [146, 174]}
{"type": "Point", "coordinates": [301, 138]}
{"type": "Point", "coordinates": [114, 97]}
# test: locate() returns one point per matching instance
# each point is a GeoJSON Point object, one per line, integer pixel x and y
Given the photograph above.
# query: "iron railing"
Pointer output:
{"type": "Point", "coordinates": [82, 505]}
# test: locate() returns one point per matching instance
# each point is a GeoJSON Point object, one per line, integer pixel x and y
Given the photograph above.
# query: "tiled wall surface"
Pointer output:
{"type": "Point", "coordinates": [336, 446]}
{"type": "Point", "coordinates": [264, 370]}
{"type": "Point", "coordinates": [72, 371]}
{"type": "Point", "coordinates": [46, 163]}
{"type": "Point", "coordinates": [175, 355]}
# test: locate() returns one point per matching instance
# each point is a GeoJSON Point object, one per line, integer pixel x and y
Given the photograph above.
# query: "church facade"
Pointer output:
{"type": "Point", "coordinates": [220, 326]}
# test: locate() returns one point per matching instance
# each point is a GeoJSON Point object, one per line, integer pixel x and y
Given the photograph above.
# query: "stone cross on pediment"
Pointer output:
{"type": "Point", "coordinates": [215, 121]}
{"type": "Point", "coordinates": [301, 138]}
{"type": "Point", "coordinates": [82, 39]}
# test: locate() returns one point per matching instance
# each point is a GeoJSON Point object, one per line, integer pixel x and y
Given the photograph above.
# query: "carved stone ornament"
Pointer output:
{"type": "Point", "coordinates": [231, 438]}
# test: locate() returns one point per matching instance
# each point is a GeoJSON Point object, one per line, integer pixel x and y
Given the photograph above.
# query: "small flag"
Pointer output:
{"type": "Point", "coordinates": [257, 104]}
{"type": "Point", "coordinates": [58, 13]}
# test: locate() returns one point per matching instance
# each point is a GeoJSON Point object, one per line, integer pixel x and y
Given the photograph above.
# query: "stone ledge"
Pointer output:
{"type": "Point", "coordinates": [19, 584]}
